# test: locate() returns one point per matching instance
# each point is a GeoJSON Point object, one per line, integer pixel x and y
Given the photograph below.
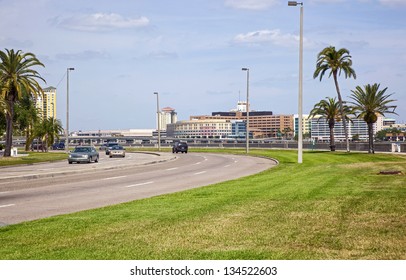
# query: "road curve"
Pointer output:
{"type": "Point", "coordinates": [33, 192]}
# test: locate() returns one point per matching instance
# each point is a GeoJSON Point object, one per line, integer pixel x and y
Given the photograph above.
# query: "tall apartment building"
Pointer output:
{"type": "Point", "coordinates": [167, 116]}
{"type": "Point", "coordinates": [46, 104]}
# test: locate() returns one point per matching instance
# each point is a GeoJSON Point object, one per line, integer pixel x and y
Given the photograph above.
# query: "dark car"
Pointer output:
{"type": "Point", "coordinates": [180, 147]}
{"type": "Point", "coordinates": [58, 146]}
{"type": "Point", "coordinates": [109, 146]}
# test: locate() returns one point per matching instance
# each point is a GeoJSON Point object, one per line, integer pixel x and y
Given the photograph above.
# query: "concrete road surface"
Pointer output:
{"type": "Point", "coordinates": [36, 191]}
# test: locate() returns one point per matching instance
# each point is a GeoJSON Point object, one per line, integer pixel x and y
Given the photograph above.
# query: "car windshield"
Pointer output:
{"type": "Point", "coordinates": [81, 150]}
{"type": "Point", "coordinates": [117, 148]}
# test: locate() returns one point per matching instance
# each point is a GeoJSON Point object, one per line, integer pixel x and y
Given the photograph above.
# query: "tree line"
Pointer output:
{"type": "Point", "coordinates": [367, 102]}
{"type": "Point", "coordinates": [19, 88]}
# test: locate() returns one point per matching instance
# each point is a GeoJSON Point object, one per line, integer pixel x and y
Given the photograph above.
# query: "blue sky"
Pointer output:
{"type": "Point", "coordinates": [192, 52]}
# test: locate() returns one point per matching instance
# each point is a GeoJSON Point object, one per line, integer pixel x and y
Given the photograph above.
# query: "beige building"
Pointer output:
{"type": "Point", "coordinates": [261, 124]}
{"type": "Point", "coordinates": [46, 104]}
{"type": "Point", "coordinates": [203, 128]}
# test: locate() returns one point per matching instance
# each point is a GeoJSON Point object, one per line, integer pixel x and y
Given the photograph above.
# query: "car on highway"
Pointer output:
{"type": "Point", "coordinates": [180, 147]}
{"type": "Point", "coordinates": [117, 151]}
{"type": "Point", "coordinates": [58, 146]}
{"type": "Point", "coordinates": [83, 154]}
{"type": "Point", "coordinates": [109, 146]}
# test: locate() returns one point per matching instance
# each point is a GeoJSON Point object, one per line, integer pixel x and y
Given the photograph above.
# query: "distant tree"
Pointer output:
{"type": "Point", "coordinates": [381, 135]}
{"type": "Point", "coordinates": [329, 110]}
{"type": "Point", "coordinates": [336, 62]}
{"type": "Point", "coordinates": [47, 130]}
{"type": "Point", "coordinates": [17, 76]}
{"type": "Point", "coordinates": [369, 102]}
{"type": "Point", "coordinates": [26, 116]}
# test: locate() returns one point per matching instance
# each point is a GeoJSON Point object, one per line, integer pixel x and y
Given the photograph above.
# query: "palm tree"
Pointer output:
{"type": "Point", "coordinates": [336, 62]}
{"type": "Point", "coordinates": [369, 102]}
{"type": "Point", "coordinates": [16, 77]}
{"type": "Point", "coordinates": [329, 110]}
{"type": "Point", "coordinates": [47, 130]}
{"type": "Point", "coordinates": [26, 115]}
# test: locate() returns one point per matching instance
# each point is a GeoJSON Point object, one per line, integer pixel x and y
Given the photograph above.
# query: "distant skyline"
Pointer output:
{"type": "Point", "coordinates": [192, 52]}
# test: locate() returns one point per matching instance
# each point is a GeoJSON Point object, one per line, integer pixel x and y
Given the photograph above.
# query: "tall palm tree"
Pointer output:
{"type": "Point", "coordinates": [336, 62]}
{"type": "Point", "coordinates": [17, 76]}
{"type": "Point", "coordinates": [329, 110]}
{"type": "Point", "coordinates": [369, 102]}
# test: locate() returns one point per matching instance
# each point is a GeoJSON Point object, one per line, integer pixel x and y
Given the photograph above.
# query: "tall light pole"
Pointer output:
{"type": "Point", "coordinates": [300, 109]}
{"type": "Point", "coordinates": [67, 109]}
{"type": "Point", "coordinates": [159, 121]}
{"type": "Point", "coordinates": [247, 130]}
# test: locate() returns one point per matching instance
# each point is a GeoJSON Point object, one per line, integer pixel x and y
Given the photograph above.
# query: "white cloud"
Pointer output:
{"type": "Point", "coordinates": [267, 36]}
{"type": "Point", "coordinates": [251, 4]}
{"type": "Point", "coordinates": [101, 22]}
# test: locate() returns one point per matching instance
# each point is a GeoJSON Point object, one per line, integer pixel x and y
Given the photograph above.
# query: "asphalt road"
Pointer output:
{"type": "Point", "coordinates": [36, 191]}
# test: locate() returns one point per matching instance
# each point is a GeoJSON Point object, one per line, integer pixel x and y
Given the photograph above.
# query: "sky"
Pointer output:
{"type": "Point", "coordinates": [191, 52]}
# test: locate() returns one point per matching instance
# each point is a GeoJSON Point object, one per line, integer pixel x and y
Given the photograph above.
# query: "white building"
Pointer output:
{"type": "Point", "coordinates": [320, 130]}
{"type": "Point", "coordinates": [167, 116]}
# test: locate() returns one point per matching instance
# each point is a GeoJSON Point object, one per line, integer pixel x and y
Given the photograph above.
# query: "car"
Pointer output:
{"type": "Point", "coordinates": [117, 151]}
{"type": "Point", "coordinates": [83, 154]}
{"type": "Point", "coordinates": [180, 147]}
{"type": "Point", "coordinates": [103, 147]}
{"type": "Point", "coordinates": [58, 146]}
{"type": "Point", "coordinates": [109, 146]}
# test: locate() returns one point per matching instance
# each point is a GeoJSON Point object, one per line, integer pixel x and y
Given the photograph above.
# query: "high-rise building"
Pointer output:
{"type": "Point", "coordinates": [46, 104]}
{"type": "Point", "coordinates": [167, 116]}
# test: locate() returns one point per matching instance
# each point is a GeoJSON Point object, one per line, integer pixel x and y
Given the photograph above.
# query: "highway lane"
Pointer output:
{"type": "Point", "coordinates": [85, 186]}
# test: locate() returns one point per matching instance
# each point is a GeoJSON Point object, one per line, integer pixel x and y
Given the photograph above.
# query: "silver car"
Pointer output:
{"type": "Point", "coordinates": [84, 154]}
{"type": "Point", "coordinates": [117, 151]}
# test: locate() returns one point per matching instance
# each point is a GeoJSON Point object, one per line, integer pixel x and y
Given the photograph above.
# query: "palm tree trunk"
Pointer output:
{"type": "Point", "coordinates": [9, 127]}
{"type": "Point", "coordinates": [332, 140]}
{"type": "Point", "coordinates": [371, 138]}
{"type": "Point", "coordinates": [340, 101]}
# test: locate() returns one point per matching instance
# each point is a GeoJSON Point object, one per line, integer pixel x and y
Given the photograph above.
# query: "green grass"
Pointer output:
{"type": "Point", "coordinates": [33, 157]}
{"type": "Point", "coordinates": [333, 206]}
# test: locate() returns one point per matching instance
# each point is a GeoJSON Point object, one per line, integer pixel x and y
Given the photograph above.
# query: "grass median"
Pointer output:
{"type": "Point", "coordinates": [333, 206]}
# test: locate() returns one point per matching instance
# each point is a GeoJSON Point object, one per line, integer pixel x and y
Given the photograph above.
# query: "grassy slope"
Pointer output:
{"type": "Point", "coordinates": [333, 206]}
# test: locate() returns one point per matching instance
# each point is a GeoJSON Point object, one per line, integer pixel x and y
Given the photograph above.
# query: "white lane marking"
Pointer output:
{"type": "Point", "coordinates": [4, 192]}
{"type": "Point", "coordinates": [197, 163]}
{"type": "Point", "coordinates": [198, 173]}
{"type": "Point", "coordinates": [227, 165]}
{"type": "Point", "coordinates": [173, 168]}
{"type": "Point", "coordinates": [235, 161]}
{"type": "Point", "coordinates": [113, 178]}
{"type": "Point", "coordinates": [7, 205]}
{"type": "Point", "coordinates": [140, 184]}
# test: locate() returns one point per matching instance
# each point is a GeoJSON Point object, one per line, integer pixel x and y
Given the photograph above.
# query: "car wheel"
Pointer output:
{"type": "Point", "coordinates": [97, 159]}
{"type": "Point", "coordinates": [70, 162]}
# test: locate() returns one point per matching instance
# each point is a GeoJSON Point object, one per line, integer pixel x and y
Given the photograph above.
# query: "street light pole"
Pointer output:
{"type": "Point", "coordinates": [300, 106]}
{"type": "Point", "coordinates": [159, 121]}
{"type": "Point", "coordinates": [67, 109]}
{"type": "Point", "coordinates": [247, 131]}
